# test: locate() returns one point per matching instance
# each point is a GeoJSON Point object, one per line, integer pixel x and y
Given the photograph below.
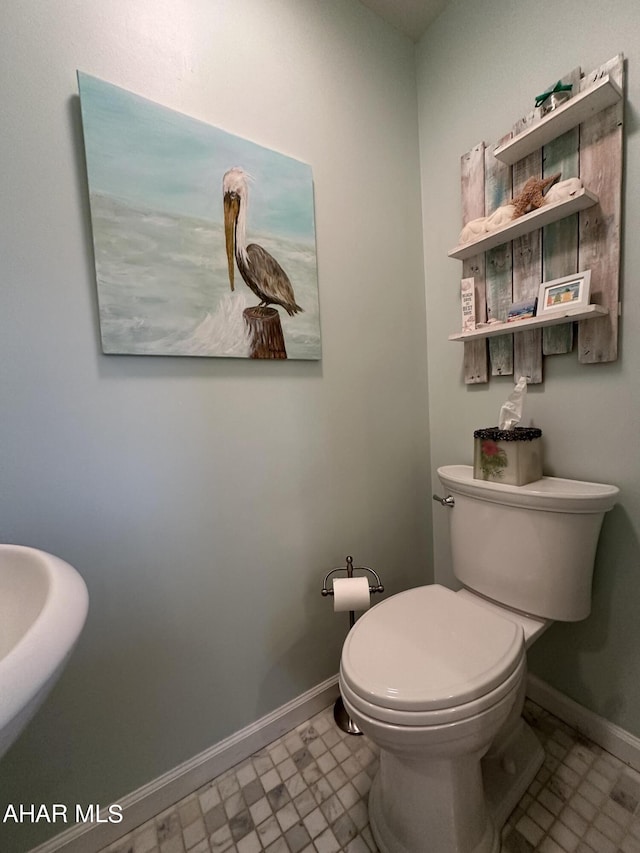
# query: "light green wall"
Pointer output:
{"type": "Point", "coordinates": [479, 68]}
{"type": "Point", "coordinates": [203, 500]}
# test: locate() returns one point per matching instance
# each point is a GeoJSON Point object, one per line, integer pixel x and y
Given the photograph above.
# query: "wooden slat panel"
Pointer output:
{"type": "Point", "coordinates": [599, 250]}
{"type": "Point", "coordinates": [563, 248]}
{"type": "Point", "coordinates": [497, 191]}
{"type": "Point", "coordinates": [527, 269]}
{"type": "Point", "coordinates": [560, 240]}
{"type": "Point", "coordinates": [475, 352]}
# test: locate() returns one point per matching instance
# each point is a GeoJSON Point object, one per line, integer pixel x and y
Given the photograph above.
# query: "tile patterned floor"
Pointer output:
{"type": "Point", "coordinates": [307, 793]}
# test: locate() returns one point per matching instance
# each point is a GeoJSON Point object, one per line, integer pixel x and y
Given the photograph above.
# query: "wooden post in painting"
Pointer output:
{"type": "Point", "coordinates": [267, 340]}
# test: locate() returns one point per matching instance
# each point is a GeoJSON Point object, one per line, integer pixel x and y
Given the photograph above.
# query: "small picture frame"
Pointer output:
{"type": "Point", "coordinates": [468, 300]}
{"type": "Point", "coordinates": [522, 310]}
{"type": "Point", "coordinates": [572, 291]}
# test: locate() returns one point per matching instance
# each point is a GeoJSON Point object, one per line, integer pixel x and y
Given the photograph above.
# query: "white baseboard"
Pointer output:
{"type": "Point", "coordinates": [610, 737]}
{"type": "Point", "coordinates": [163, 792]}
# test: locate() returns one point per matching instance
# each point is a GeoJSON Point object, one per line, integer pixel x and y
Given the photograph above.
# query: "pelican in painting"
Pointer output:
{"type": "Point", "coordinates": [260, 270]}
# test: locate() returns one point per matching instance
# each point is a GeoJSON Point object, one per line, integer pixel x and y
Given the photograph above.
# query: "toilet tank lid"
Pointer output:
{"type": "Point", "coordinates": [427, 649]}
{"type": "Point", "coordinates": [553, 494]}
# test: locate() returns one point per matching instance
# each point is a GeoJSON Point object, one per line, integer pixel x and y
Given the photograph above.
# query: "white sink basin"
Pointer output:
{"type": "Point", "coordinates": [43, 606]}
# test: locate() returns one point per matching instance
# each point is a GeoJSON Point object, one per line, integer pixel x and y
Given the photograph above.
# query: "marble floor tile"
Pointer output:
{"type": "Point", "coordinates": [307, 793]}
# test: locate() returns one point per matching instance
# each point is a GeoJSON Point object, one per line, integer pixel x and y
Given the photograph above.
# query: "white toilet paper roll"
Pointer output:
{"type": "Point", "coordinates": [351, 594]}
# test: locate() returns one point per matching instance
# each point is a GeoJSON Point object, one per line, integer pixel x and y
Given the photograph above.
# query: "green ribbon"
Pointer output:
{"type": "Point", "coordinates": [559, 87]}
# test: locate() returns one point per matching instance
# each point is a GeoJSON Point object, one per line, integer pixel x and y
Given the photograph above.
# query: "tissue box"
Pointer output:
{"type": "Point", "coordinates": [512, 456]}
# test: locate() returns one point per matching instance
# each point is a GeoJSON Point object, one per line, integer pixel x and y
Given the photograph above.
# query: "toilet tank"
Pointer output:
{"type": "Point", "coordinates": [531, 548]}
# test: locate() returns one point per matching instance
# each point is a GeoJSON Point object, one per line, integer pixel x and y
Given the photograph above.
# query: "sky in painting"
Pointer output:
{"type": "Point", "coordinates": [147, 154]}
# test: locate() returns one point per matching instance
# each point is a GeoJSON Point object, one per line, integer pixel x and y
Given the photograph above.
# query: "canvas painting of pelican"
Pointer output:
{"type": "Point", "coordinates": [204, 242]}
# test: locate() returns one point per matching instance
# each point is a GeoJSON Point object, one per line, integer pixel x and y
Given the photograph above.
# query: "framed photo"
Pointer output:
{"type": "Point", "coordinates": [522, 310]}
{"type": "Point", "coordinates": [572, 291]}
{"type": "Point", "coordinates": [468, 299]}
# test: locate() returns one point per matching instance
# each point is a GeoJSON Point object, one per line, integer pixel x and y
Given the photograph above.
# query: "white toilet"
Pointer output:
{"type": "Point", "coordinates": [436, 677]}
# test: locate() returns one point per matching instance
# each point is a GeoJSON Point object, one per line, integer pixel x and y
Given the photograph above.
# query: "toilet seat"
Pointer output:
{"type": "Point", "coordinates": [428, 656]}
{"type": "Point", "coordinates": [414, 720]}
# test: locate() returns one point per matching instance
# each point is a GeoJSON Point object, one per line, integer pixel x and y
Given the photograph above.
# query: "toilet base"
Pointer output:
{"type": "Point", "coordinates": [452, 806]}
{"type": "Point", "coordinates": [423, 840]}
{"type": "Point", "coordinates": [508, 770]}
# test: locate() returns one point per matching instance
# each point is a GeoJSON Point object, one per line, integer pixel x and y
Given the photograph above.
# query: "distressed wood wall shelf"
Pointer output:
{"type": "Point", "coordinates": [570, 314]}
{"type": "Point", "coordinates": [582, 138]}
{"type": "Point", "coordinates": [577, 109]}
{"type": "Point", "coordinates": [544, 215]}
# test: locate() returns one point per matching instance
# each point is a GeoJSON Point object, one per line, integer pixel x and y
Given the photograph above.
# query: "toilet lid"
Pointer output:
{"type": "Point", "coordinates": [429, 648]}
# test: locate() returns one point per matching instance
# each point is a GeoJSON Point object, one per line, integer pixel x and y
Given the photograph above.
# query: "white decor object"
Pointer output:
{"type": "Point", "coordinates": [563, 190]}
{"type": "Point", "coordinates": [468, 300]}
{"type": "Point", "coordinates": [500, 216]}
{"type": "Point", "coordinates": [473, 229]}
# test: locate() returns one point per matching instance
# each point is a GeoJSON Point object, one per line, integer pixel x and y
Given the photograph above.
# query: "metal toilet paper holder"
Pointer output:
{"type": "Point", "coordinates": [343, 720]}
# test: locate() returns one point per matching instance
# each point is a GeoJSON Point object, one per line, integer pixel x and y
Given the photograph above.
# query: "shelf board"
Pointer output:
{"type": "Point", "coordinates": [544, 215]}
{"type": "Point", "coordinates": [552, 319]}
{"type": "Point", "coordinates": [605, 93]}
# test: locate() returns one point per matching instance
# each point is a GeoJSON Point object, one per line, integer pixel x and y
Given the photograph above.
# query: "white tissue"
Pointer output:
{"type": "Point", "coordinates": [351, 594]}
{"type": "Point", "coordinates": [511, 411]}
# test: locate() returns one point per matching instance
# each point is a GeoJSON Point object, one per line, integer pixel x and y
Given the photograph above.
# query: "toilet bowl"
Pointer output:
{"type": "Point", "coordinates": [436, 678]}
{"type": "Point", "coordinates": [433, 730]}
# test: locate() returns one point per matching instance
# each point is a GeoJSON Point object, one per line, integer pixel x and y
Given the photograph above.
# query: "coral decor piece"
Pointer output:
{"type": "Point", "coordinates": [532, 195]}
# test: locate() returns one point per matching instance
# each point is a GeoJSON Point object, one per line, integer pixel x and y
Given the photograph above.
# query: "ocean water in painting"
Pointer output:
{"type": "Point", "coordinates": [163, 286]}
{"type": "Point", "coordinates": [155, 187]}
